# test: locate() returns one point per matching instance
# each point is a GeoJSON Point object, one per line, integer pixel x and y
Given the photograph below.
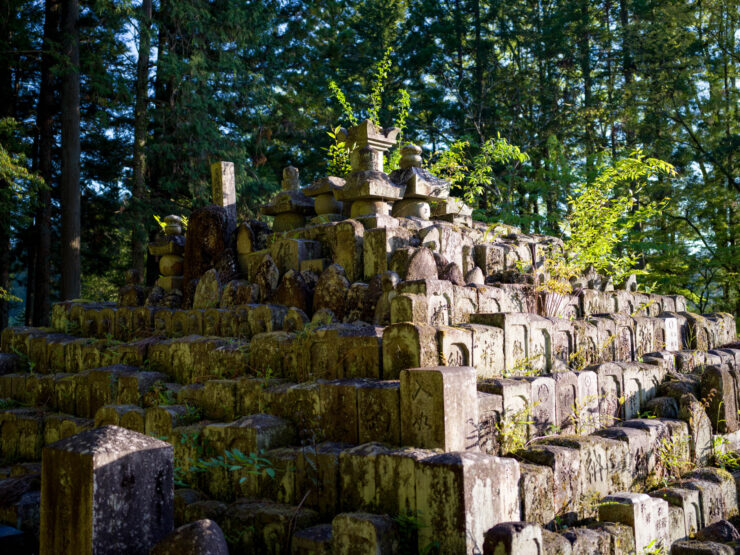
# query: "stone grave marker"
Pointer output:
{"type": "Point", "coordinates": [106, 490]}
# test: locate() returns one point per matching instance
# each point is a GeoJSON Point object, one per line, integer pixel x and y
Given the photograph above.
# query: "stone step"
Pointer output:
{"type": "Point", "coordinates": [431, 301]}
{"type": "Point", "coordinates": [494, 343]}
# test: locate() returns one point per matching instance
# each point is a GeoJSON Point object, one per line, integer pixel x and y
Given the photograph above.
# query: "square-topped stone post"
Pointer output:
{"type": "Point", "coordinates": [439, 408]}
{"type": "Point", "coordinates": [223, 189]}
{"type": "Point", "coordinates": [647, 516]}
{"type": "Point", "coordinates": [106, 490]}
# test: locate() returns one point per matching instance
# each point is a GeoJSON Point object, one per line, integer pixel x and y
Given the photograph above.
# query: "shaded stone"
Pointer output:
{"type": "Point", "coordinates": [237, 292]}
{"type": "Point", "coordinates": [718, 388]}
{"type": "Point", "coordinates": [207, 239]}
{"type": "Point", "coordinates": [315, 540]}
{"type": "Point", "coordinates": [331, 291]}
{"type": "Point", "coordinates": [452, 273]}
{"type": "Point", "coordinates": [696, 547]}
{"type": "Point", "coordinates": [535, 490]}
{"type": "Point", "coordinates": [208, 291]}
{"type": "Point", "coordinates": [513, 537]}
{"type": "Point", "coordinates": [96, 483]}
{"type": "Point", "coordinates": [363, 534]}
{"type": "Point", "coordinates": [720, 531]}
{"type": "Point", "coordinates": [294, 292]}
{"type": "Point", "coordinates": [267, 277]}
{"type": "Point", "coordinates": [412, 263]}
{"type": "Point", "coordinates": [555, 544]}
{"type": "Point", "coordinates": [202, 537]}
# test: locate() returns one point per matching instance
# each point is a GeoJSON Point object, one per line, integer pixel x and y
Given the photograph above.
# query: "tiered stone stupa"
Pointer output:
{"type": "Point", "coordinates": [368, 188]}
{"type": "Point", "coordinates": [421, 186]}
{"type": "Point", "coordinates": [291, 206]}
{"type": "Point", "coordinates": [378, 384]}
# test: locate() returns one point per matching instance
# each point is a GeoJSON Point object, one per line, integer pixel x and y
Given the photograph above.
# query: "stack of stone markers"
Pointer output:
{"type": "Point", "coordinates": [377, 373]}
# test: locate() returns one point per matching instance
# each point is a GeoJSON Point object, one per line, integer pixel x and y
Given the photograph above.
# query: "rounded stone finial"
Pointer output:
{"type": "Point", "coordinates": [410, 156]}
{"type": "Point", "coordinates": [291, 181]}
{"type": "Point", "coordinates": [173, 225]}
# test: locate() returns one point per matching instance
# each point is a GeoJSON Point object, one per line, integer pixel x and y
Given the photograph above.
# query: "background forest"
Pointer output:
{"type": "Point", "coordinates": [111, 112]}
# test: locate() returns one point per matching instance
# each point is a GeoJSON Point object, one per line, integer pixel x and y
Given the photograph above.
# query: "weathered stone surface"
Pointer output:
{"type": "Point", "coordinates": [565, 463]}
{"type": "Point", "coordinates": [413, 263]}
{"type": "Point", "coordinates": [439, 408]}
{"type": "Point", "coordinates": [688, 501]}
{"type": "Point", "coordinates": [692, 411]}
{"type": "Point", "coordinates": [395, 479]}
{"type": "Point", "coordinates": [718, 387]}
{"type": "Point", "coordinates": [696, 547]}
{"type": "Point", "coordinates": [406, 346]}
{"type": "Point", "coordinates": [727, 485]}
{"type": "Point", "coordinates": [294, 292]}
{"type": "Point", "coordinates": [267, 277]}
{"type": "Point", "coordinates": [331, 291]}
{"type": "Point", "coordinates": [358, 476]}
{"type": "Point", "coordinates": [513, 537]}
{"type": "Point", "coordinates": [379, 410]}
{"type": "Point", "coordinates": [710, 499]}
{"type": "Point", "coordinates": [208, 291]}
{"type": "Point", "coordinates": [464, 495]}
{"type": "Point", "coordinates": [96, 483]}
{"type": "Point", "coordinates": [452, 273]}
{"type": "Point", "coordinates": [648, 517]}
{"type": "Point", "coordinates": [720, 531]}
{"type": "Point", "coordinates": [535, 490]}
{"type": "Point", "coordinates": [237, 292]}
{"type": "Point", "coordinates": [363, 534]}
{"type": "Point", "coordinates": [555, 544]}
{"type": "Point", "coordinates": [604, 467]}
{"type": "Point", "coordinates": [315, 540]}
{"type": "Point", "coordinates": [207, 239]}
{"type": "Point", "coordinates": [202, 537]}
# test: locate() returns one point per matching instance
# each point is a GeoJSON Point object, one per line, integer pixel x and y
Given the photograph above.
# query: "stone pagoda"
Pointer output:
{"type": "Point", "coordinates": [291, 206]}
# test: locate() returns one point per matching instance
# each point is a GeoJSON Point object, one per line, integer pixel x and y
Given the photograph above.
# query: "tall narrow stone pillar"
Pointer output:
{"type": "Point", "coordinates": [223, 188]}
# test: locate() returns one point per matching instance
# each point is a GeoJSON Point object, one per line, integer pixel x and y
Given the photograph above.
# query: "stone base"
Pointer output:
{"type": "Point", "coordinates": [369, 207]}
{"type": "Point", "coordinates": [326, 218]}
{"type": "Point", "coordinates": [327, 204]}
{"type": "Point", "coordinates": [411, 208]}
{"type": "Point", "coordinates": [458, 219]}
{"type": "Point", "coordinates": [378, 220]}
{"type": "Point", "coordinates": [288, 221]}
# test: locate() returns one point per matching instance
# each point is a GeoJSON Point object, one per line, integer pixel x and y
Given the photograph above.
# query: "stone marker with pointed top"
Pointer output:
{"type": "Point", "coordinates": [106, 490]}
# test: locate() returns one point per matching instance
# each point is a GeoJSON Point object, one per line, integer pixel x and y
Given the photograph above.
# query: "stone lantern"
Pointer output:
{"type": "Point", "coordinates": [328, 208]}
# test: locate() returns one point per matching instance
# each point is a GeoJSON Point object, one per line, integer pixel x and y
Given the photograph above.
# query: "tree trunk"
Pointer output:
{"type": "Point", "coordinates": [7, 109]}
{"type": "Point", "coordinates": [70, 183]}
{"type": "Point", "coordinates": [627, 72]}
{"type": "Point", "coordinates": [42, 283]}
{"type": "Point", "coordinates": [138, 231]}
